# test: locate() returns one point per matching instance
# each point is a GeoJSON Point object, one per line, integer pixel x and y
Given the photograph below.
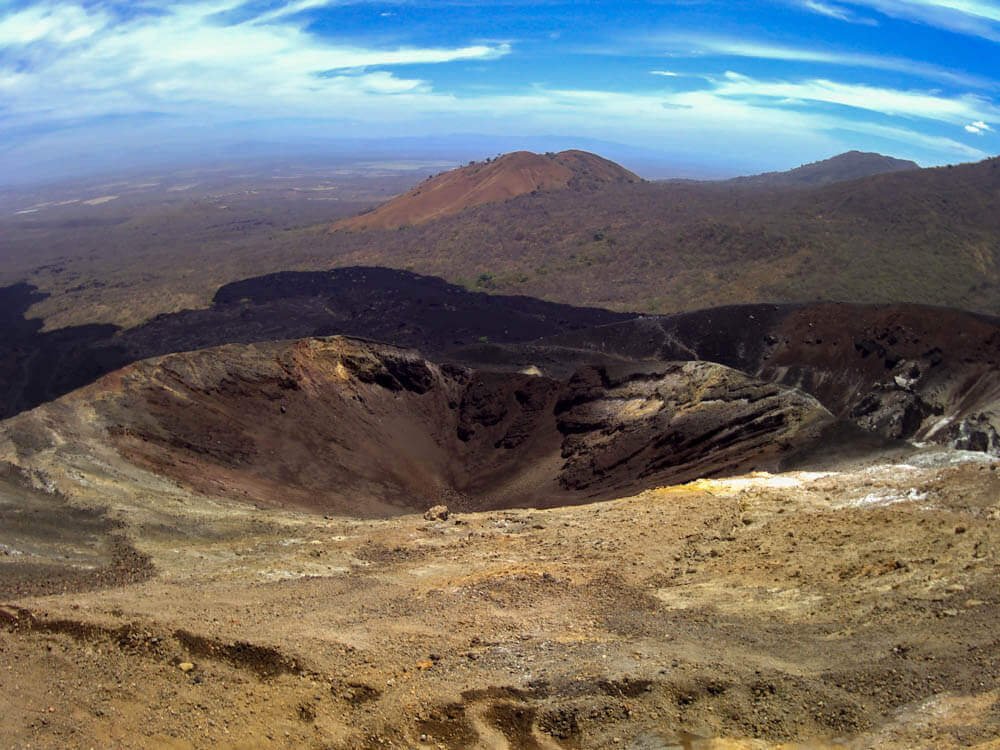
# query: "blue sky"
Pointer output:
{"type": "Point", "coordinates": [751, 85]}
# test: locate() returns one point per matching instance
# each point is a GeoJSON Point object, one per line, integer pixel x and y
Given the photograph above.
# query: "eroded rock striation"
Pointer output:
{"type": "Point", "coordinates": [905, 372]}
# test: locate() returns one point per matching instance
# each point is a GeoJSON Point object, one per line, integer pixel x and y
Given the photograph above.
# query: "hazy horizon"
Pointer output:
{"type": "Point", "coordinates": [691, 89]}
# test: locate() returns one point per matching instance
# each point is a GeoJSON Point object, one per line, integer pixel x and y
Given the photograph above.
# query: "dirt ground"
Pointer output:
{"type": "Point", "coordinates": [855, 609]}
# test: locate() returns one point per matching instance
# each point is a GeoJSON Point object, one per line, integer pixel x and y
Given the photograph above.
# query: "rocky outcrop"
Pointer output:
{"type": "Point", "coordinates": [898, 371]}
{"type": "Point", "coordinates": [977, 433]}
{"type": "Point", "coordinates": [677, 422]}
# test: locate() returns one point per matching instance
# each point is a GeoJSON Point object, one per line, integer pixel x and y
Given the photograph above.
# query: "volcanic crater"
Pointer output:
{"type": "Point", "coordinates": [340, 425]}
{"type": "Point", "coordinates": [557, 406]}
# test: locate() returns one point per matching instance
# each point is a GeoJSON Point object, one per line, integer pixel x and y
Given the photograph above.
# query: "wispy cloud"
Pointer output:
{"type": "Point", "coordinates": [838, 12]}
{"type": "Point", "coordinates": [972, 17]}
{"type": "Point", "coordinates": [209, 62]}
{"type": "Point", "coordinates": [55, 24]}
{"type": "Point", "coordinates": [955, 110]}
{"type": "Point", "coordinates": [700, 45]}
{"type": "Point", "coordinates": [986, 9]}
{"type": "Point", "coordinates": [692, 116]}
{"type": "Point", "coordinates": [290, 9]}
{"type": "Point", "coordinates": [67, 60]}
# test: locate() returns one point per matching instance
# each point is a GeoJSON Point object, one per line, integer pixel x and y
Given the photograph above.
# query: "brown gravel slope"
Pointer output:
{"type": "Point", "coordinates": [858, 608]}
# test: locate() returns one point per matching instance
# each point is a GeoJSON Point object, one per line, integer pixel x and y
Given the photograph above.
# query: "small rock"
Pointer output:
{"type": "Point", "coordinates": [437, 513]}
{"type": "Point", "coordinates": [185, 666]}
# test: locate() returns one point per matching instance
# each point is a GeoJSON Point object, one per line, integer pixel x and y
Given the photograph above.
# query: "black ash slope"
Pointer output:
{"type": "Point", "coordinates": [396, 307]}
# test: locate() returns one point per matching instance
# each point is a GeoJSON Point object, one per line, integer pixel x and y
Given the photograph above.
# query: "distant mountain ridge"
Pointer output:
{"type": "Point", "coordinates": [919, 235]}
{"type": "Point", "coordinates": [491, 181]}
{"type": "Point", "coordinates": [852, 165]}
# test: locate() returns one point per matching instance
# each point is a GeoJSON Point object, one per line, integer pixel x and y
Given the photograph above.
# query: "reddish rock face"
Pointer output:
{"type": "Point", "coordinates": [491, 181]}
{"type": "Point", "coordinates": [896, 371]}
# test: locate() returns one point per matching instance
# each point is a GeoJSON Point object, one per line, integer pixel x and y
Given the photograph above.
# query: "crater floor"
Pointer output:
{"type": "Point", "coordinates": [849, 609]}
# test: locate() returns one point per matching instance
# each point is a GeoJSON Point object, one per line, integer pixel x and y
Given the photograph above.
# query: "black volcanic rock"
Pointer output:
{"type": "Point", "coordinates": [36, 365]}
{"type": "Point", "coordinates": [398, 307]}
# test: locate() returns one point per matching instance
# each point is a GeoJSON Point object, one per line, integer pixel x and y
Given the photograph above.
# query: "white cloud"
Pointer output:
{"type": "Point", "coordinates": [826, 9]}
{"type": "Point", "coordinates": [978, 128]}
{"type": "Point", "coordinates": [976, 8]}
{"type": "Point", "coordinates": [700, 45]}
{"type": "Point", "coordinates": [892, 102]}
{"type": "Point", "coordinates": [290, 10]}
{"type": "Point", "coordinates": [187, 63]}
{"type": "Point", "coordinates": [80, 62]}
{"type": "Point", "coordinates": [664, 73]}
{"type": "Point", "coordinates": [972, 17]}
{"type": "Point", "coordinates": [58, 24]}
{"type": "Point", "coordinates": [696, 116]}
{"type": "Point", "coordinates": [838, 12]}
